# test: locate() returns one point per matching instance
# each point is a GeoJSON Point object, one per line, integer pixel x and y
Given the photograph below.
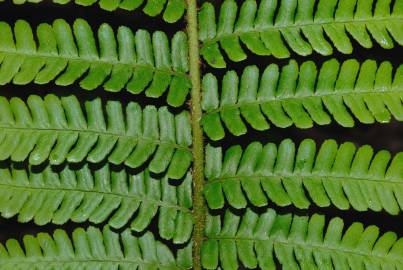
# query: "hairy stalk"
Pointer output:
{"type": "Point", "coordinates": [199, 207]}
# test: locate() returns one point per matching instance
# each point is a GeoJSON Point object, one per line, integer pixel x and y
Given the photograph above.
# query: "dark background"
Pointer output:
{"type": "Point", "coordinates": [380, 136]}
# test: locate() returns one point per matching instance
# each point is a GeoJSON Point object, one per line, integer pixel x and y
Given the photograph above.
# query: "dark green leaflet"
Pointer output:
{"type": "Point", "coordinates": [302, 95]}
{"type": "Point", "coordinates": [297, 242]}
{"type": "Point", "coordinates": [273, 27]}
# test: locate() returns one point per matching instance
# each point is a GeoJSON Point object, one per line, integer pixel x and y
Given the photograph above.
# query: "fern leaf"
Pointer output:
{"type": "Point", "coordinates": [117, 197]}
{"type": "Point", "coordinates": [277, 27]}
{"type": "Point", "coordinates": [297, 242]}
{"type": "Point", "coordinates": [302, 96]}
{"type": "Point", "coordinates": [136, 62]}
{"type": "Point", "coordinates": [91, 249]}
{"type": "Point", "coordinates": [58, 129]}
{"type": "Point", "coordinates": [172, 10]}
{"type": "Point", "coordinates": [342, 176]}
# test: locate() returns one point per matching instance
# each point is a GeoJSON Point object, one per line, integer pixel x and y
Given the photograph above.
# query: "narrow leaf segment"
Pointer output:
{"type": "Point", "coordinates": [339, 175]}
{"type": "Point", "coordinates": [98, 195]}
{"type": "Point", "coordinates": [172, 10]}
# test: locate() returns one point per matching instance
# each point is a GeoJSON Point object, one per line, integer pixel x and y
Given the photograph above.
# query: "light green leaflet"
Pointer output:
{"type": "Point", "coordinates": [59, 130]}
{"type": "Point", "coordinates": [149, 140]}
{"type": "Point", "coordinates": [65, 54]}
{"type": "Point", "coordinates": [92, 249]}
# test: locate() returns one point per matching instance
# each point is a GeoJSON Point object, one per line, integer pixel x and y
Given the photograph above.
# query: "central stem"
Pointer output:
{"type": "Point", "coordinates": [199, 206]}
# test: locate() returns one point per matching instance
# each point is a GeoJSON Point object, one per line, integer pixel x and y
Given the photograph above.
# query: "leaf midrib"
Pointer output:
{"type": "Point", "coordinates": [303, 176]}
{"type": "Point", "coordinates": [199, 204]}
{"type": "Point", "coordinates": [99, 133]}
{"type": "Point", "coordinates": [300, 97]}
{"type": "Point", "coordinates": [92, 61]}
{"type": "Point", "coordinates": [238, 33]}
{"type": "Point", "coordinates": [29, 261]}
{"type": "Point", "coordinates": [100, 193]}
{"type": "Point", "coordinates": [304, 245]}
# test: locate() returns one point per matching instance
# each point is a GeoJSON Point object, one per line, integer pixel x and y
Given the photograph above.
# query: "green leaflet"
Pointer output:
{"type": "Point", "coordinates": [302, 96]}
{"type": "Point", "coordinates": [92, 249]}
{"type": "Point", "coordinates": [273, 27]}
{"type": "Point", "coordinates": [135, 62]}
{"type": "Point", "coordinates": [297, 242]}
{"type": "Point", "coordinates": [172, 10]}
{"type": "Point", "coordinates": [338, 175]}
{"type": "Point", "coordinates": [59, 130]}
{"type": "Point", "coordinates": [104, 194]}
{"type": "Point", "coordinates": [127, 166]}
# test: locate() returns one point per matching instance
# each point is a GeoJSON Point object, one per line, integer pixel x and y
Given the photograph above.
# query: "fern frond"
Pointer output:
{"type": "Point", "coordinates": [58, 129]}
{"type": "Point", "coordinates": [172, 10]}
{"type": "Point", "coordinates": [92, 249]}
{"type": "Point", "coordinates": [342, 176]}
{"type": "Point", "coordinates": [135, 62]}
{"type": "Point", "coordinates": [99, 195]}
{"type": "Point", "coordinates": [297, 242]}
{"type": "Point", "coordinates": [302, 96]}
{"type": "Point", "coordinates": [276, 27]}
